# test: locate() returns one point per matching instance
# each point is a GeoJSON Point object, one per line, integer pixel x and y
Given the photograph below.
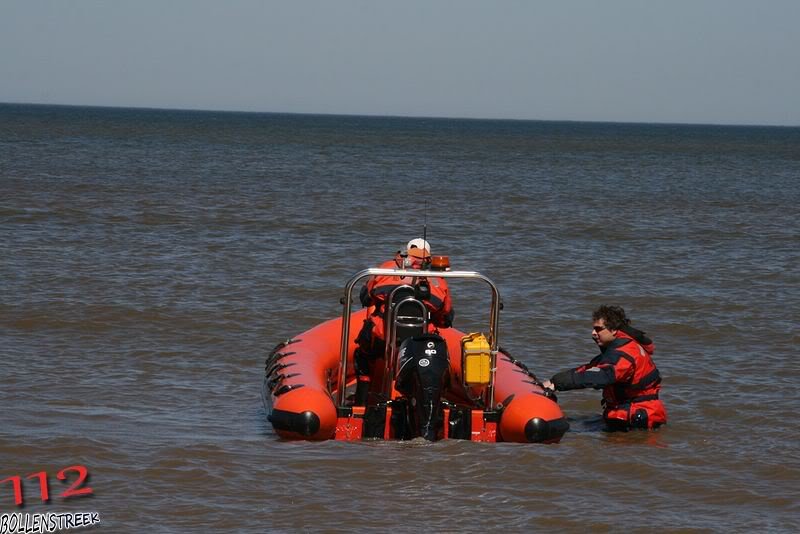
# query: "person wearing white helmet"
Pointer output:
{"type": "Point", "coordinates": [433, 291]}
{"type": "Point", "coordinates": [419, 248]}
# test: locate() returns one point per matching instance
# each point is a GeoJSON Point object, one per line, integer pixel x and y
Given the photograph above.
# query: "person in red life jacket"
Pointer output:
{"type": "Point", "coordinates": [432, 291]}
{"type": "Point", "coordinates": [624, 369]}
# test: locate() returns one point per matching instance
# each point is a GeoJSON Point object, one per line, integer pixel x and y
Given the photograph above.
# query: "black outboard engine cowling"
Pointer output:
{"type": "Point", "coordinates": [423, 377]}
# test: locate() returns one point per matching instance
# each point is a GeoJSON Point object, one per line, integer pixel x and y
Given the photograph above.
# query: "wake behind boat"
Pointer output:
{"type": "Point", "coordinates": [440, 385]}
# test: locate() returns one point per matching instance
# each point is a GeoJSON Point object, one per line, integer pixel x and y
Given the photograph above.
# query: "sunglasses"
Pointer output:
{"type": "Point", "coordinates": [599, 328]}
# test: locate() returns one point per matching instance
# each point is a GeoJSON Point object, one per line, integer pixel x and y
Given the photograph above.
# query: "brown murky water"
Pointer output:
{"type": "Point", "coordinates": [150, 259]}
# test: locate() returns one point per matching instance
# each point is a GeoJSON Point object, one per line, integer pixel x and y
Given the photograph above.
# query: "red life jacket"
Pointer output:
{"type": "Point", "coordinates": [632, 401]}
{"type": "Point", "coordinates": [380, 287]}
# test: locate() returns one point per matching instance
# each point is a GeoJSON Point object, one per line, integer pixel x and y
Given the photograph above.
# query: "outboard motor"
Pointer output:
{"type": "Point", "coordinates": [422, 377]}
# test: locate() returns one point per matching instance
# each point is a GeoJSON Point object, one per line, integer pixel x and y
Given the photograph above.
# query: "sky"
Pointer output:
{"type": "Point", "coordinates": [676, 61]}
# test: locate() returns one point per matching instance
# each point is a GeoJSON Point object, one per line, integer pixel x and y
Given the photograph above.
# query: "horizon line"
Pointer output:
{"type": "Point", "coordinates": [414, 117]}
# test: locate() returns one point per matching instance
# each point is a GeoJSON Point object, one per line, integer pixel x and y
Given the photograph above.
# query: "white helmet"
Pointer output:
{"type": "Point", "coordinates": [418, 244]}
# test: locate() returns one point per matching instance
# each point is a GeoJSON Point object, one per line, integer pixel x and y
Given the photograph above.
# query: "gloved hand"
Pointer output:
{"type": "Point", "coordinates": [365, 297]}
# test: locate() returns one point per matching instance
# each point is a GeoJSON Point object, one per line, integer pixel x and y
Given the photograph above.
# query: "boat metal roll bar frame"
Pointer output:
{"type": "Point", "coordinates": [415, 274]}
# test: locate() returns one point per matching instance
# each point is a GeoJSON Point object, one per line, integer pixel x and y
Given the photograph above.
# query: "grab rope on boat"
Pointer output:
{"type": "Point", "coordinates": [282, 344]}
{"type": "Point", "coordinates": [277, 379]}
{"type": "Point", "coordinates": [277, 348]}
{"type": "Point", "coordinates": [272, 376]}
{"type": "Point", "coordinates": [286, 388]}
{"type": "Point", "coordinates": [550, 394]}
{"type": "Point", "coordinates": [276, 366]}
{"type": "Point", "coordinates": [519, 364]}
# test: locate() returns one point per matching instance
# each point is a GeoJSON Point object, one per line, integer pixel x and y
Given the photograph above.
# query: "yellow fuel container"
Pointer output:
{"type": "Point", "coordinates": [476, 359]}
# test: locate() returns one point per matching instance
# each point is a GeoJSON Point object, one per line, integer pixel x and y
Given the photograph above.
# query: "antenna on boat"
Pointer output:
{"type": "Point", "coordinates": [426, 262]}
{"type": "Point", "coordinates": [425, 224]}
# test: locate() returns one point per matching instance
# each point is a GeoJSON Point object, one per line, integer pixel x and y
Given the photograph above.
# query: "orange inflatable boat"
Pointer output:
{"type": "Point", "coordinates": [446, 385]}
